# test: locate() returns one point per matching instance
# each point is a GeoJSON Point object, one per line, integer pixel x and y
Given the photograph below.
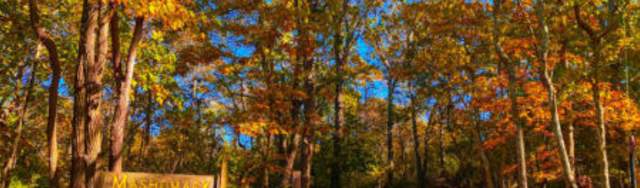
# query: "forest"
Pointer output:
{"type": "Point", "coordinates": [321, 93]}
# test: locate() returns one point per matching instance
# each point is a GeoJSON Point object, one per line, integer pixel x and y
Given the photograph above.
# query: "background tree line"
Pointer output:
{"type": "Point", "coordinates": [348, 93]}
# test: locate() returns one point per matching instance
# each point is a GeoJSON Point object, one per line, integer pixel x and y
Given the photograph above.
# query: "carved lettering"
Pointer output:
{"type": "Point", "coordinates": [146, 180]}
{"type": "Point", "coordinates": [122, 183]}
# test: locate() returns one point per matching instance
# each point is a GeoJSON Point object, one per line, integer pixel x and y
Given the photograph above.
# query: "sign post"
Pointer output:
{"type": "Point", "coordinates": [134, 179]}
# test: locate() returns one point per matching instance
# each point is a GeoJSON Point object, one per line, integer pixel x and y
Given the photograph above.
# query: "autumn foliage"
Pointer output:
{"type": "Point", "coordinates": [321, 93]}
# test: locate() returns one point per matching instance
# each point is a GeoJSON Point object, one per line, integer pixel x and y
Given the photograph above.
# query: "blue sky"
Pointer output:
{"type": "Point", "coordinates": [377, 89]}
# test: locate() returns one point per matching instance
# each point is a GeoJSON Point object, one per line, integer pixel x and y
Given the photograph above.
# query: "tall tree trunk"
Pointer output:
{"type": "Point", "coordinates": [115, 162]}
{"type": "Point", "coordinates": [441, 138]}
{"type": "Point", "coordinates": [595, 43]}
{"type": "Point", "coordinates": [477, 138]}
{"type": "Point", "coordinates": [416, 144]}
{"type": "Point", "coordinates": [542, 53]}
{"type": "Point", "coordinates": [291, 148]}
{"type": "Point", "coordinates": [338, 48]}
{"type": "Point", "coordinates": [309, 122]}
{"type": "Point", "coordinates": [86, 56]}
{"type": "Point", "coordinates": [403, 156]}
{"type": "Point", "coordinates": [266, 159]}
{"type": "Point", "coordinates": [54, 63]}
{"type": "Point", "coordinates": [426, 141]}
{"type": "Point", "coordinates": [515, 111]}
{"type": "Point", "coordinates": [51, 122]}
{"type": "Point", "coordinates": [557, 128]}
{"type": "Point", "coordinates": [301, 77]}
{"type": "Point", "coordinates": [512, 89]}
{"type": "Point", "coordinates": [122, 107]}
{"type": "Point", "coordinates": [571, 147]}
{"type": "Point", "coordinates": [337, 132]}
{"type": "Point", "coordinates": [486, 164]}
{"type": "Point", "coordinates": [15, 151]}
{"type": "Point", "coordinates": [627, 89]}
{"type": "Point", "coordinates": [290, 160]}
{"type": "Point", "coordinates": [391, 85]}
{"type": "Point", "coordinates": [148, 119]}
{"type": "Point", "coordinates": [307, 164]}
{"type": "Point", "coordinates": [632, 161]}
{"type": "Point", "coordinates": [94, 88]}
{"type": "Point", "coordinates": [601, 131]}
{"type": "Point", "coordinates": [402, 167]}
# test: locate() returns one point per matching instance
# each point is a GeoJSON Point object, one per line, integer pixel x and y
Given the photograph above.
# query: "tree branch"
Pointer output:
{"type": "Point", "coordinates": [583, 25]}
{"type": "Point", "coordinates": [42, 34]}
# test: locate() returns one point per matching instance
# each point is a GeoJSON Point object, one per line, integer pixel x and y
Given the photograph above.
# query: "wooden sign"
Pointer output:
{"type": "Point", "coordinates": [133, 179]}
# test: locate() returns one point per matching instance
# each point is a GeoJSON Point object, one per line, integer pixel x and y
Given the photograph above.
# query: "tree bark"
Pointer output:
{"type": "Point", "coordinates": [477, 137]}
{"type": "Point", "coordinates": [307, 166]}
{"type": "Point", "coordinates": [15, 151]}
{"type": "Point", "coordinates": [122, 107]}
{"type": "Point", "coordinates": [292, 147]}
{"type": "Point", "coordinates": [441, 128]}
{"type": "Point", "coordinates": [553, 105]}
{"type": "Point", "coordinates": [403, 157]}
{"type": "Point", "coordinates": [266, 159]}
{"type": "Point", "coordinates": [310, 123]}
{"type": "Point", "coordinates": [601, 131]}
{"type": "Point", "coordinates": [337, 133]}
{"type": "Point", "coordinates": [426, 141]}
{"type": "Point", "coordinates": [512, 89]}
{"type": "Point", "coordinates": [94, 88]}
{"type": "Point", "coordinates": [416, 144]}
{"type": "Point", "coordinates": [542, 53]}
{"type": "Point", "coordinates": [515, 111]}
{"type": "Point", "coordinates": [632, 161]}
{"type": "Point", "coordinates": [571, 147]}
{"type": "Point", "coordinates": [391, 85]}
{"type": "Point", "coordinates": [337, 149]}
{"type": "Point", "coordinates": [86, 56]}
{"type": "Point", "coordinates": [595, 39]}
{"type": "Point", "coordinates": [291, 158]}
{"type": "Point", "coordinates": [302, 69]}
{"type": "Point", "coordinates": [54, 63]}
{"type": "Point", "coordinates": [341, 52]}
{"type": "Point", "coordinates": [117, 133]}
{"type": "Point", "coordinates": [486, 164]}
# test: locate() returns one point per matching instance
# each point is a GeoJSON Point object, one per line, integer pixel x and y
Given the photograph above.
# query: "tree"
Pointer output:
{"type": "Point", "coordinates": [596, 39]}
{"type": "Point", "coordinates": [123, 85]}
{"type": "Point", "coordinates": [13, 157]}
{"type": "Point", "coordinates": [511, 66]}
{"type": "Point", "coordinates": [54, 62]}
{"type": "Point", "coordinates": [322, 93]}
{"type": "Point", "coordinates": [542, 54]}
